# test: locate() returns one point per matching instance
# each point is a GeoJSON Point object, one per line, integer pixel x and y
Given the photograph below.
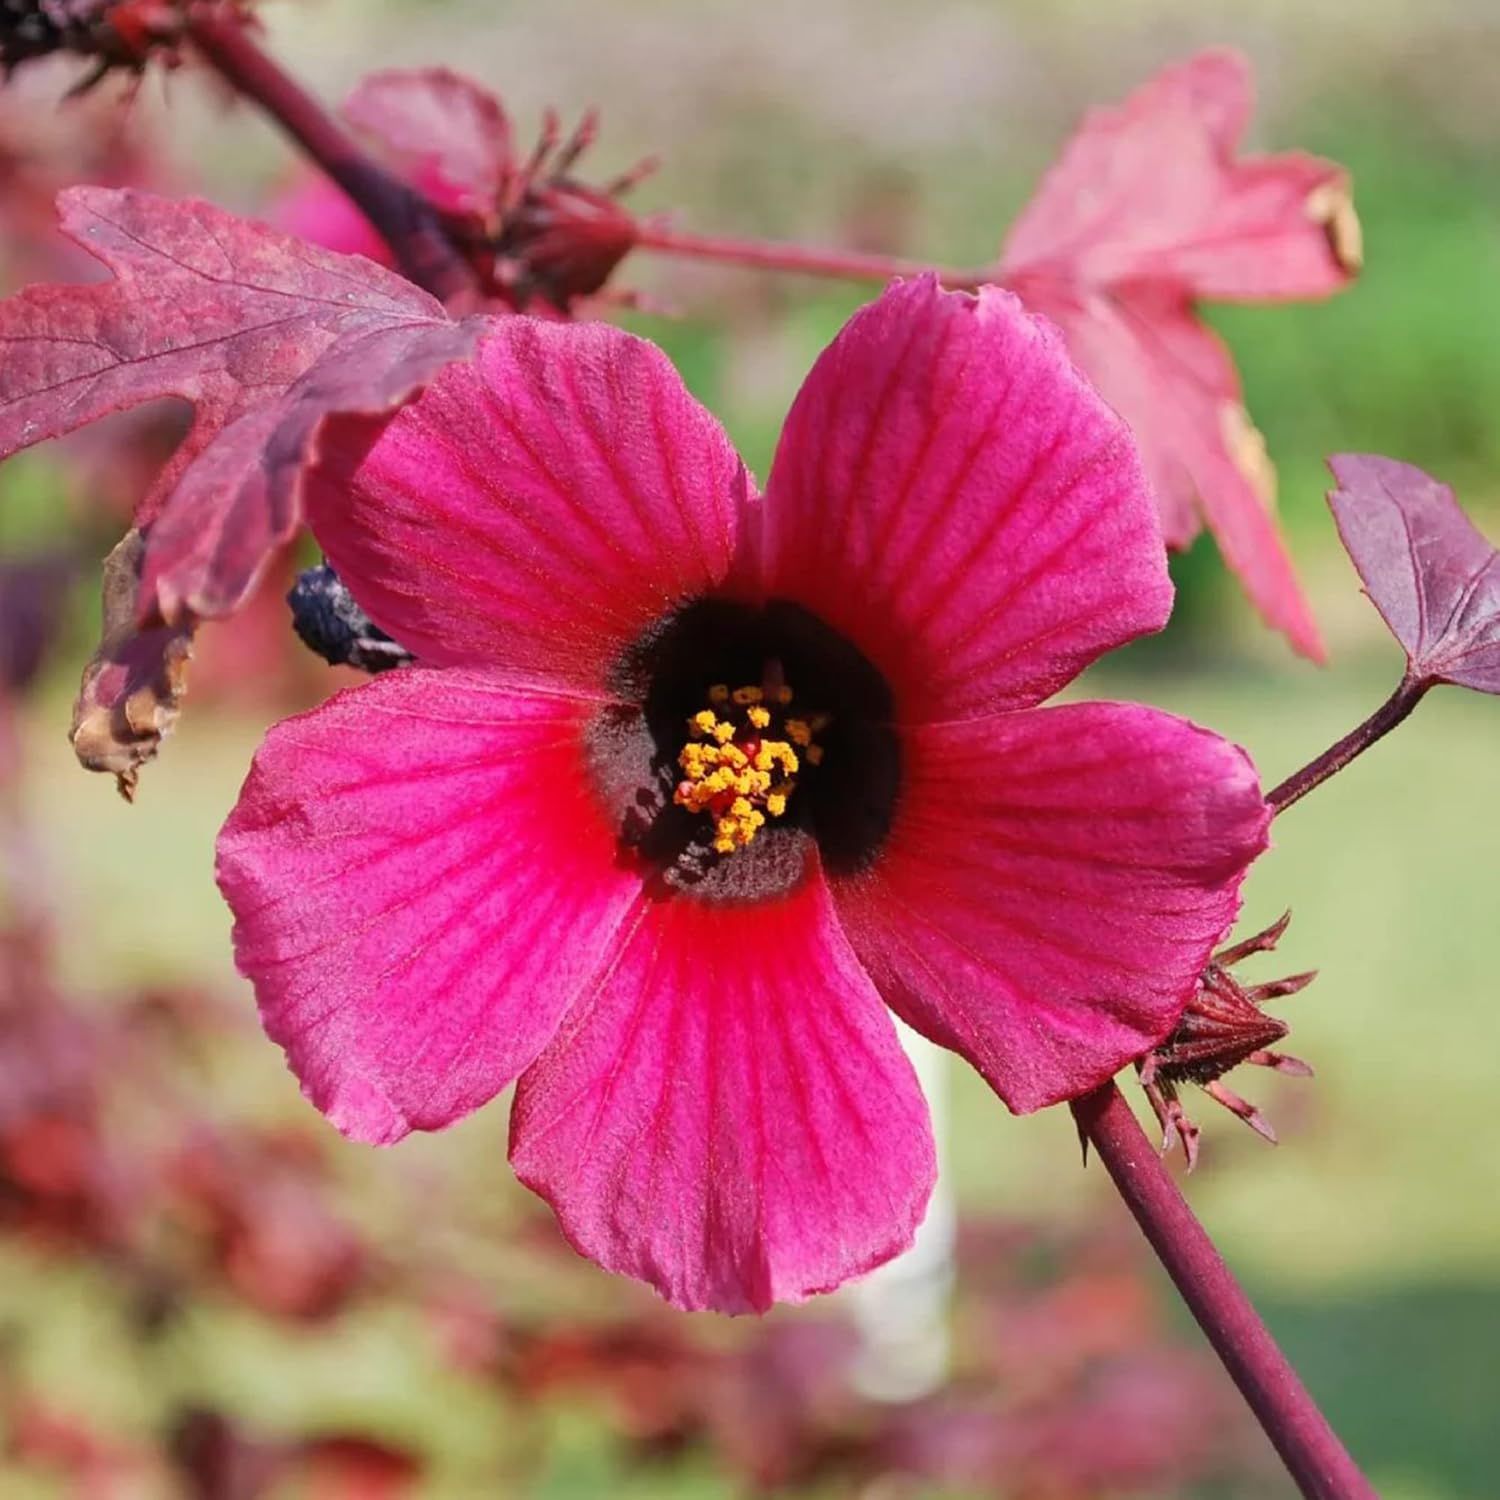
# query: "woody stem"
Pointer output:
{"type": "Point", "coordinates": [1309, 1447]}
{"type": "Point", "coordinates": [402, 217]}
{"type": "Point", "coordinates": [1333, 760]}
{"type": "Point", "coordinates": [806, 260]}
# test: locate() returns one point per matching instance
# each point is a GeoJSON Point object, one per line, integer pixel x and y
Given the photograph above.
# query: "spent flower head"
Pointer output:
{"type": "Point", "coordinates": [539, 238]}
{"type": "Point", "coordinates": [688, 783]}
{"type": "Point", "coordinates": [113, 34]}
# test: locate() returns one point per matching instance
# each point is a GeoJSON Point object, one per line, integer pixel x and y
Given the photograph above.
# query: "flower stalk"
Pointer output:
{"type": "Point", "coordinates": [401, 216]}
{"type": "Point", "coordinates": [804, 260]}
{"type": "Point", "coordinates": [1392, 712]}
{"type": "Point", "coordinates": [1308, 1446]}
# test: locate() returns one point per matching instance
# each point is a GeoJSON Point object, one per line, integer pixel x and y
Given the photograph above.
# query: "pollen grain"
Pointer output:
{"type": "Point", "coordinates": [737, 766]}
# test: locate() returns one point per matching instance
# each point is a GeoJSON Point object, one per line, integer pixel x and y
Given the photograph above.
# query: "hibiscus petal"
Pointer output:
{"type": "Point", "coordinates": [1152, 190]}
{"type": "Point", "coordinates": [1054, 883]}
{"type": "Point", "coordinates": [730, 1116]}
{"type": "Point", "coordinates": [538, 508]}
{"type": "Point", "coordinates": [952, 496]}
{"type": "Point", "coordinates": [1172, 379]}
{"type": "Point", "coordinates": [420, 885]}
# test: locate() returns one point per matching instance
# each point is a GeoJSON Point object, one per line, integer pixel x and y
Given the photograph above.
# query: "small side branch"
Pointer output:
{"type": "Point", "coordinates": [805, 260]}
{"type": "Point", "coordinates": [1392, 712]}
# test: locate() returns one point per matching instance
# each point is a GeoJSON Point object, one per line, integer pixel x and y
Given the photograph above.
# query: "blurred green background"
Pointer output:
{"type": "Point", "coordinates": [1371, 1236]}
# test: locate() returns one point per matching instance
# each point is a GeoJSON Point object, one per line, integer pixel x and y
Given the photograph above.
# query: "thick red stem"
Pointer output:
{"type": "Point", "coordinates": [1356, 742]}
{"type": "Point", "coordinates": [806, 260]}
{"type": "Point", "coordinates": [401, 216]}
{"type": "Point", "coordinates": [1309, 1447]}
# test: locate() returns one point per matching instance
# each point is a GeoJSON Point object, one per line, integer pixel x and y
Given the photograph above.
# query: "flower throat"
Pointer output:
{"type": "Point", "coordinates": [745, 740]}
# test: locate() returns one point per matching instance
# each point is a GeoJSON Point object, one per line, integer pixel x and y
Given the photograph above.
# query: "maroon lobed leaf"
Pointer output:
{"type": "Point", "coordinates": [240, 500]}
{"type": "Point", "coordinates": [1150, 209]}
{"type": "Point", "coordinates": [262, 334]}
{"type": "Point", "coordinates": [1434, 578]}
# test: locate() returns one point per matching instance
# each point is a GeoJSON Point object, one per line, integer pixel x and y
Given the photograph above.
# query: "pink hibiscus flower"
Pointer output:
{"type": "Point", "coordinates": [692, 784]}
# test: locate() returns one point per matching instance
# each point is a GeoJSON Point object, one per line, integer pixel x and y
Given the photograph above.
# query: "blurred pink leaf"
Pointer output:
{"type": "Point", "coordinates": [1434, 578]}
{"type": "Point", "coordinates": [1149, 210]}
{"type": "Point", "coordinates": [449, 136]}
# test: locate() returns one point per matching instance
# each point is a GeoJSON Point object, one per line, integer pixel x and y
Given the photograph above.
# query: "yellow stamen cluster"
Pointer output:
{"type": "Point", "coordinates": [733, 768]}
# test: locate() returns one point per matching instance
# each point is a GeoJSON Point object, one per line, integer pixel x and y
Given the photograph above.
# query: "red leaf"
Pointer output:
{"type": "Point", "coordinates": [1173, 380]}
{"type": "Point", "coordinates": [240, 501]}
{"type": "Point", "coordinates": [1154, 191]}
{"type": "Point", "coordinates": [450, 137]}
{"type": "Point", "coordinates": [1148, 210]}
{"type": "Point", "coordinates": [1434, 578]}
{"type": "Point", "coordinates": [263, 334]}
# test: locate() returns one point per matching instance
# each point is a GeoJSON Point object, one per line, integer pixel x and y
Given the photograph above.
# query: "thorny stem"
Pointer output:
{"type": "Point", "coordinates": [1356, 742]}
{"type": "Point", "coordinates": [402, 217]}
{"type": "Point", "coordinates": [773, 255]}
{"type": "Point", "coordinates": [1309, 1447]}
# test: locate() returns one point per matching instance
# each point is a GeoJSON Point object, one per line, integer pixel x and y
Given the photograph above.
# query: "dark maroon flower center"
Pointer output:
{"type": "Point", "coordinates": [844, 796]}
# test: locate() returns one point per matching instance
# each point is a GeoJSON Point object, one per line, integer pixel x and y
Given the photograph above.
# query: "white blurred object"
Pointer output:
{"type": "Point", "coordinates": [901, 1310]}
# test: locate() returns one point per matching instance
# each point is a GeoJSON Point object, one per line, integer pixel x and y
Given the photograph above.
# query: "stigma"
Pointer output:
{"type": "Point", "coordinates": [742, 758]}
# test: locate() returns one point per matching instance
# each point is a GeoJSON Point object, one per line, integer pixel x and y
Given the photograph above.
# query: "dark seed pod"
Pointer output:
{"type": "Point", "coordinates": [328, 621]}
{"type": "Point", "coordinates": [557, 239]}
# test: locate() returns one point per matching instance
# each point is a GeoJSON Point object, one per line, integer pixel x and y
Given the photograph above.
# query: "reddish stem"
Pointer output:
{"type": "Point", "coordinates": [1356, 742]}
{"type": "Point", "coordinates": [401, 216]}
{"type": "Point", "coordinates": [1309, 1447]}
{"type": "Point", "coordinates": [773, 255]}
